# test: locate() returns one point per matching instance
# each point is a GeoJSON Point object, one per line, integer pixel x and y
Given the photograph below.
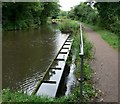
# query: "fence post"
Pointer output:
{"type": "Point", "coordinates": [81, 76]}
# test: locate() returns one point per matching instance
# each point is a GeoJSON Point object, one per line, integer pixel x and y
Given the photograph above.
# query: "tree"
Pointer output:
{"type": "Point", "coordinates": [19, 15]}
{"type": "Point", "coordinates": [50, 9]}
{"type": "Point", "coordinates": [109, 13]}
{"type": "Point", "coordinates": [84, 13]}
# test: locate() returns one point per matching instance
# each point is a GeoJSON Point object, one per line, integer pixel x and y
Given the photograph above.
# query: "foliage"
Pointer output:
{"type": "Point", "coordinates": [84, 13]}
{"type": "Point", "coordinates": [68, 26]}
{"type": "Point", "coordinates": [89, 91]}
{"type": "Point", "coordinates": [87, 48]}
{"type": "Point", "coordinates": [103, 14]}
{"type": "Point", "coordinates": [109, 15]}
{"type": "Point", "coordinates": [20, 15]}
{"type": "Point", "coordinates": [50, 9]}
{"type": "Point", "coordinates": [71, 14]}
{"type": "Point", "coordinates": [62, 15]}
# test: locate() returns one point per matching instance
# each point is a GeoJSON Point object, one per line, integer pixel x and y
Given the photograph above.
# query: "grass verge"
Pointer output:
{"type": "Point", "coordinates": [111, 38]}
{"type": "Point", "coordinates": [88, 91]}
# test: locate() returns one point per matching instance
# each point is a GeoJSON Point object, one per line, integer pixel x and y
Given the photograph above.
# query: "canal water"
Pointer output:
{"type": "Point", "coordinates": [27, 54]}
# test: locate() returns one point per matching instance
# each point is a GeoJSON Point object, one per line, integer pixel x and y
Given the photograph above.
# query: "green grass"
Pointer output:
{"type": "Point", "coordinates": [10, 96]}
{"type": "Point", "coordinates": [89, 91]}
{"type": "Point", "coordinates": [111, 38]}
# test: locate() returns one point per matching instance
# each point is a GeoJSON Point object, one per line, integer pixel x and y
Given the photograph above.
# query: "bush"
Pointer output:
{"type": "Point", "coordinates": [68, 26]}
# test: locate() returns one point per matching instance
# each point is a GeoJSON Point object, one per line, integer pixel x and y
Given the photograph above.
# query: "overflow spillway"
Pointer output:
{"type": "Point", "coordinates": [49, 84]}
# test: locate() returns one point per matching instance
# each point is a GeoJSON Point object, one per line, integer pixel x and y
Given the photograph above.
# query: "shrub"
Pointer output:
{"type": "Point", "coordinates": [68, 26]}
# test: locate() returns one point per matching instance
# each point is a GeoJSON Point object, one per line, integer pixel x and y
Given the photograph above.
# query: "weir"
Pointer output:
{"type": "Point", "coordinates": [49, 84]}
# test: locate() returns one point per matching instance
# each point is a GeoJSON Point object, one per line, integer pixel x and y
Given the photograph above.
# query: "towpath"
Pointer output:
{"type": "Point", "coordinates": [105, 67]}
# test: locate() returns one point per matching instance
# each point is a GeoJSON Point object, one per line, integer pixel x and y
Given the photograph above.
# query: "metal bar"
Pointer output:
{"type": "Point", "coordinates": [81, 42]}
{"type": "Point", "coordinates": [69, 41]}
{"type": "Point", "coordinates": [65, 48]}
{"type": "Point", "coordinates": [81, 77]}
{"type": "Point", "coordinates": [60, 59]}
{"type": "Point", "coordinates": [67, 44]}
{"type": "Point", "coordinates": [81, 61]}
{"type": "Point", "coordinates": [56, 68]}
{"type": "Point", "coordinates": [52, 82]}
{"type": "Point", "coordinates": [63, 52]}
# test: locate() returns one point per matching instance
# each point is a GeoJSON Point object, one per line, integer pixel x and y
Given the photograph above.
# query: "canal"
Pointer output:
{"type": "Point", "coordinates": [26, 55]}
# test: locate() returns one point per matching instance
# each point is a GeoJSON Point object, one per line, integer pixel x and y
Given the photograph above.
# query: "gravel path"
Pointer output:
{"type": "Point", "coordinates": [105, 67]}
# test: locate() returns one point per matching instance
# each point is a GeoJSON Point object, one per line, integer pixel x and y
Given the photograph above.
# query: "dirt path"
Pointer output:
{"type": "Point", "coordinates": [105, 67]}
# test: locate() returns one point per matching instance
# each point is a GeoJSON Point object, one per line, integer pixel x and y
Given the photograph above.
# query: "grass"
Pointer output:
{"type": "Point", "coordinates": [10, 96]}
{"type": "Point", "coordinates": [89, 91]}
{"type": "Point", "coordinates": [111, 38]}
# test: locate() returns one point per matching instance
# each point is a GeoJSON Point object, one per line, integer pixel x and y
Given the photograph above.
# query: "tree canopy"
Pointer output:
{"type": "Point", "coordinates": [17, 15]}
{"type": "Point", "coordinates": [104, 14]}
{"type": "Point", "coordinates": [109, 13]}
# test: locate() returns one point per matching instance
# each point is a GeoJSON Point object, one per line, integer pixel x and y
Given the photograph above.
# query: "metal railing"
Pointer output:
{"type": "Point", "coordinates": [81, 54]}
